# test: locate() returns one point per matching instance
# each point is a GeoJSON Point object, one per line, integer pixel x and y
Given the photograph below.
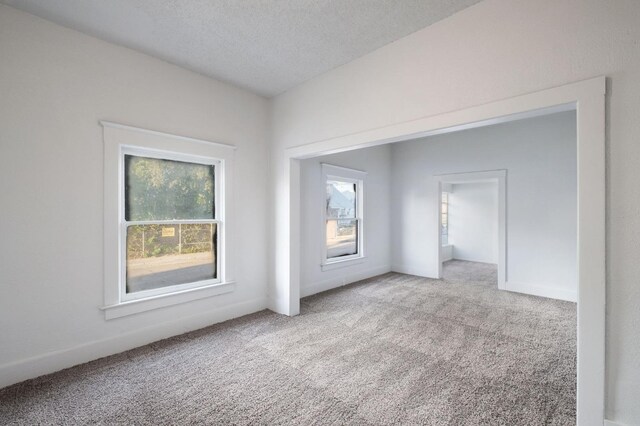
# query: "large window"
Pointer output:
{"type": "Point", "coordinates": [169, 222]}
{"type": "Point", "coordinates": [168, 213]}
{"type": "Point", "coordinates": [342, 211]}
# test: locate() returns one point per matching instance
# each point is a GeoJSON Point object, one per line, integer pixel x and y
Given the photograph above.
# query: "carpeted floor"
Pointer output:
{"type": "Point", "coordinates": [395, 349]}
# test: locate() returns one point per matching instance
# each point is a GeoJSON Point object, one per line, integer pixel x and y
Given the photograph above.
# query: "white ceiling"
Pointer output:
{"type": "Point", "coordinates": [266, 46]}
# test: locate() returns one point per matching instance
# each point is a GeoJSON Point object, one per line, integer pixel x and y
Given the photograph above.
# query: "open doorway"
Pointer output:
{"type": "Point", "coordinates": [472, 220]}
{"type": "Point", "coordinates": [386, 196]}
{"type": "Point", "coordinates": [587, 98]}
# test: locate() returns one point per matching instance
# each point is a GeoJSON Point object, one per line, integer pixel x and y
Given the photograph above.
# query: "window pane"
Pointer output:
{"type": "Point", "coordinates": [165, 255]}
{"type": "Point", "coordinates": [444, 219]}
{"type": "Point", "coordinates": [341, 199]}
{"type": "Point", "coordinates": [164, 189]}
{"type": "Point", "coordinates": [342, 237]}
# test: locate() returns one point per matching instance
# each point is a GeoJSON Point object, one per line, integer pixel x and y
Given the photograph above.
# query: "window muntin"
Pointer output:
{"type": "Point", "coordinates": [444, 218]}
{"type": "Point", "coordinates": [342, 215]}
{"type": "Point", "coordinates": [170, 238]}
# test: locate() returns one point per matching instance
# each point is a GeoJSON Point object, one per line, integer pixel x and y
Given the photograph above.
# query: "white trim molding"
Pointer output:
{"type": "Point", "coordinates": [548, 291]}
{"type": "Point", "coordinates": [588, 99]}
{"type": "Point", "coordinates": [50, 362]}
{"type": "Point", "coordinates": [612, 423]}
{"type": "Point", "coordinates": [417, 270]}
{"type": "Point", "coordinates": [136, 306]}
{"type": "Point", "coordinates": [342, 263]}
{"type": "Point", "coordinates": [105, 123]}
{"type": "Point", "coordinates": [330, 284]}
{"type": "Point", "coordinates": [122, 139]}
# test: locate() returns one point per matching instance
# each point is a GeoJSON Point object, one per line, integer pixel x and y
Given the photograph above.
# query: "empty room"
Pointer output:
{"type": "Point", "coordinates": [334, 212]}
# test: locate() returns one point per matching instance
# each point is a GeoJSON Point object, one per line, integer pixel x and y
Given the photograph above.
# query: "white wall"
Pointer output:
{"type": "Point", "coordinates": [539, 155]}
{"type": "Point", "coordinates": [55, 84]}
{"type": "Point", "coordinates": [374, 161]}
{"type": "Point", "coordinates": [494, 50]}
{"type": "Point", "coordinates": [446, 253]}
{"type": "Point", "coordinates": [473, 222]}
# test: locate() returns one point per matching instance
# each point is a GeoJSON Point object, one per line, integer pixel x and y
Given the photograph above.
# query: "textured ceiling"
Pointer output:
{"type": "Point", "coordinates": [266, 46]}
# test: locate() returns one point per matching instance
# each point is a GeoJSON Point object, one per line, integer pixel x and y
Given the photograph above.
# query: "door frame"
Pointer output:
{"type": "Point", "coordinates": [494, 176]}
{"type": "Point", "coordinates": [588, 99]}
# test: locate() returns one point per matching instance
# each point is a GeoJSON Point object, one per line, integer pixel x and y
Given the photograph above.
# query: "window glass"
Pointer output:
{"type": "Point", "coordinates": [343, 215]}
{"type": "Point", "coordinates": [444, 220]}
{"type": "Point", "coordinates": [170, 254]}
{"type": "Point", "coordinates": [341, 199]}
{"type": "Point", "coordinates": [164, 247]}
{"type": "Point", "coordinates": [157, 189]}
{"type": "Point", "coordinates": [342, 237]}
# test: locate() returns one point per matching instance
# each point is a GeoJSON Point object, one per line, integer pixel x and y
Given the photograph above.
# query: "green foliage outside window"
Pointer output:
{"type": "Point", "coordinates": [157, 189]}
{"type": "Point", "coordinates": [164, 189]}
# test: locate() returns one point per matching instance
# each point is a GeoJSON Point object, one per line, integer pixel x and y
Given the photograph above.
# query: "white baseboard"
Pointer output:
{"type": "Point", "coordinates": [412, 270]}
{"type": "Point", "coordinates": [51, 362]}
{"type": "Point", "coordinates": [309, 289]}
{"type": "Point", "coordinates": [612, 423]}
{"type": "Point", "coordinates": [489, 261]}
{"type": "Point", "coordinates": [446, 252]}
{"type": "Point", "coordinates": [278, 305]}
{"type": "Point", "coordinates": [543, 291]}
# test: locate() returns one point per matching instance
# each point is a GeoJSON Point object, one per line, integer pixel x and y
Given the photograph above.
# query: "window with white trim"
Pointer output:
{"type": "Point", "coordinates": [342, 214]}
{"type": "Point", "coordinates": [169, 223]}
{"type": "Point", "coordinates": [167, 213]}
{"type": "Point", "coordinates": [444, 218]}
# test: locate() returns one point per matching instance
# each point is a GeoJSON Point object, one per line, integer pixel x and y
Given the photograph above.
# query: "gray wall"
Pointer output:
{"type": "Point", "coordinates": [539, 155]}
{"type": "Point", "coordinates": [473, 222]}
{"type": "Point", "coordinates": [374, 161]}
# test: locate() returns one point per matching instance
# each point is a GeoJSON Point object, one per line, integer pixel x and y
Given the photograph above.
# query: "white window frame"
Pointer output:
{"type": "Point", "coordinates": [442, 214]}
{"type": "Point", "coordinates": [121, 140]}
{"type": "Point", "coordinates": [124, 224]}
{"type": "Point", "coordinates": [357, 177]}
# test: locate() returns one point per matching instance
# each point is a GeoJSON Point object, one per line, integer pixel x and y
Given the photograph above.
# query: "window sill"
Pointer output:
{"type": "Point", "coordinates": [141, 305]}
{"type": "Point", "coordinates": [341, 263]}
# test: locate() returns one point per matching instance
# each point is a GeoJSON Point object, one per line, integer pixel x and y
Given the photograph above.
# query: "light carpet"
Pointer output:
{"type": "Point", "coordinates": [394, 349]}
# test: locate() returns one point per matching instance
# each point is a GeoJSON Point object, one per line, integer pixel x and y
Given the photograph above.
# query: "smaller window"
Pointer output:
{"type": "Point", "coordinates": [343, 222]}
{"type": "Point", "coordinates": [444, 218]}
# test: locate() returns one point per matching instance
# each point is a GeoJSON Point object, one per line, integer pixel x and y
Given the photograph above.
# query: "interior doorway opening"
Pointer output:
{"type": "Point", "coordinates": [484, 227]}
{"type": "Point", "coordinates": [588, 99]}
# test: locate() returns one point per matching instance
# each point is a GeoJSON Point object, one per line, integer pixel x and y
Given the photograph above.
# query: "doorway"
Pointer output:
{"type": "Point", "coordinates": [587, 98]}
{"type": "Point", "coordinates": [446, 184]}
